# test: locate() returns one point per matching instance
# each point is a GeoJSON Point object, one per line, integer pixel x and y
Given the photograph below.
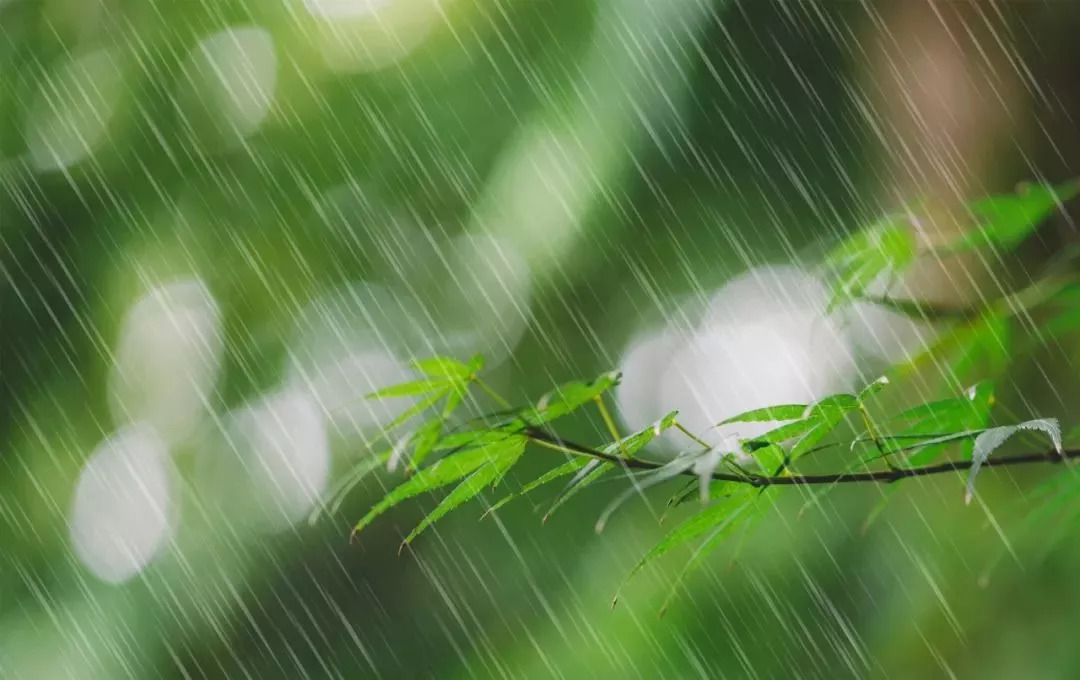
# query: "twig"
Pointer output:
{"type": "Point", "coordinates": [870, 476]}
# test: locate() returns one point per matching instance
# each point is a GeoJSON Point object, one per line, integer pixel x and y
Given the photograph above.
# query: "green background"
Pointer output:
{"type": "Point", "coordinates": [706, 138]}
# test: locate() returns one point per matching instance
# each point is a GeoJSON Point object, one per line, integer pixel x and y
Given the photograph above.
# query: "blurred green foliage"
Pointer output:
{"type": "Point", "coordinates": [683, 142]}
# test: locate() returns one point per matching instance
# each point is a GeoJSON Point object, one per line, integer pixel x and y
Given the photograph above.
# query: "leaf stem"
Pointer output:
{"type": "Point", "coordinates": [608, 420]}
{"type": "Point", "coordinates": [693, 437]}
{"type": "Point", "coordinates": [486, 389]}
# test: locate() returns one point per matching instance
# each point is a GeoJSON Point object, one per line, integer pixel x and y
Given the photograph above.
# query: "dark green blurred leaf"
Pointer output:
{"type": "Point", "coordinates": [881, 250]}
{"type": "Point", "coordinates": [409, 389]}
{"type": "Point", "coordinates": [1004, 221]}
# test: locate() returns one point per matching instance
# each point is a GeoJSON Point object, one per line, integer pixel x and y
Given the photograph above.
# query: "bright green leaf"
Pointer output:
{"type": "Point", "coordinates": [713, 518]}
{"type": "Point", "coordinates": [784, 412]}
{"type": "Point", "coordinates": [423, 441]}
{"type": "Point", "coordinates": [446, 471]}
{"type": "Point", "coordinates": [589, 473]}
{"type": "Point", "coordinates": [417, 408]}
{"type": "Point", "coordinates": [629, 446]}
{"type": "Point", "coordinates": [568, 468]}
{"type": "Point", "coordinates": [778, 435]}
{"type": "Point", "coordinates": [444, 367]}
{"type": "Point", "coordinates": [567, 398]}
{"type": "Point", "coordinates": [489, 474]}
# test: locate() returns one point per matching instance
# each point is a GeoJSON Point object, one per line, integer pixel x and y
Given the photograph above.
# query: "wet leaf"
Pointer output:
{"type": "Point", "coordinates": [785, 412]}
{"type": "Point", "coordinates": [415, 409]}
{"type": "Point", "coordinates": [639, 483]}
{"type": "Point", "coordinates": [713, 520]}
{"type": "Point", "coordinates": [566, 469]}
{"type": "Point", "coordinates": [568, 398]}
{"type": "Point", "coordinates": [992, 439]}
{"type": "Point", "coordinates": [881, 250]}
{"type": "Point", "coordinates": [445, 471]}
{"type": "Point", "coordinates": [444, 367]}
{"type": "Point", "coordinates": [423, 441]}
{"type": "Point", "coordinates": [778, 435]}
{"type": "Point", "coordinates": [589, 473]}
{"type": "Point", "coordinates": [489, 474]}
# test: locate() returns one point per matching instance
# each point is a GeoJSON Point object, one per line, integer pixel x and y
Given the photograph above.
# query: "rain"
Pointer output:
{"type": "Point", "coordinates": [227, 227]}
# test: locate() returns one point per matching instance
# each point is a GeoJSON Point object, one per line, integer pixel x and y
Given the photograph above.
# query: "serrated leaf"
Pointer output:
{"type": "Point", "coordinates": [966, 413]}
{"type": "Point", "coordinates": [639, 484]}
{"type": "Point", "coordinates": [1004, 221]}
{"type": "Point", "coordinates": [488, 474]}
{"type": "Point", "coordinates": [771, 458]}
{"type": "Point", "coordinates": [712, 518]}
{"type": "Point", "coordinates": [568, 468]}
{"type": "Point", "coordinates": [833, 405]}
{"type": "Point", "coordinates": [423, 441]}
{"type": "Point", "coordinates": [567, 398]}
{"type": "Point", "coordinates": [469, 438]}
{"type": "Point", "coordinates": [749, 512]}
{"type": "Point", "coordinates": [784, 412]}
{"type": "Point", "coordinates": [592, 471]}
{"type": "Point", "coordinates": [415, 409]}
{"type": "Point", "coordinates": [821, 429]}
{"type": "Point", "coordinates": [631, 444]}
{"type": "Point", "coordinates": [992, 439]}
{"type": "Point", "coordinates": [445, 471]}
{"type": "Point", "coordinates": [444, 367]}
{"type": "Point", "coordinates": [409, 389]}
{"type": "Point", "coordinates": [778, 435]}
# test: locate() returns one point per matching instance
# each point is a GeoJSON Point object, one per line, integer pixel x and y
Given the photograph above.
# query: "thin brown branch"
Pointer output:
{"type": "Point", "coordinates": [870, 476]}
